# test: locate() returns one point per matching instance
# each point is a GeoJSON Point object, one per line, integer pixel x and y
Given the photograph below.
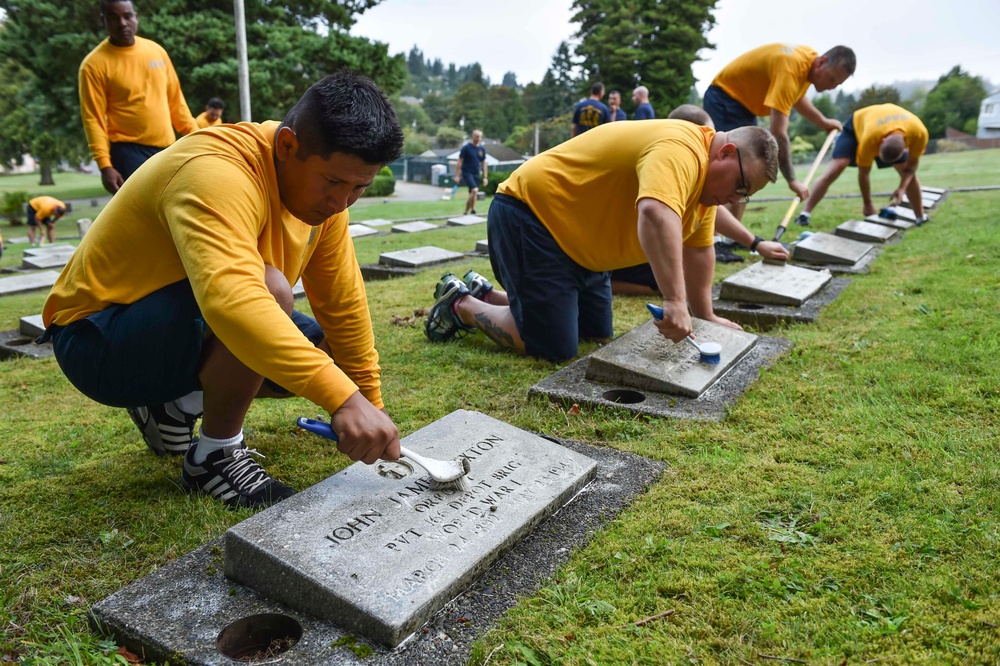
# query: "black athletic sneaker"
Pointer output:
{"type": "Point", "coordinates": [724, 254]}
{"type": "Point", "coordinates": [802, 220]}
{"type": "Point", "coordinates": [166, 429]}
{"type": "Point", "coordinates": [232, 476]}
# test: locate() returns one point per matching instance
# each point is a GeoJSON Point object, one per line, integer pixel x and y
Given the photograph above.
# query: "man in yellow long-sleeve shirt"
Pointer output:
{"type": "Point", "coordinates": [130, 98]}
{"type": "Point", "coordinates": [44, 211]}
{"type": "Point", "coordinates": [178, 300]}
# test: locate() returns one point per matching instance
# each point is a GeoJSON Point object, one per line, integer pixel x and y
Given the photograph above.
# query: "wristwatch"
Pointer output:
{"type": "Point", "coordinates": [756, 241]}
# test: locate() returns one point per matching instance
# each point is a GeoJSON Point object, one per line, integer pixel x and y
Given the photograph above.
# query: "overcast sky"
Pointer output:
{"type": "Point", "coordinates": [918, 39]}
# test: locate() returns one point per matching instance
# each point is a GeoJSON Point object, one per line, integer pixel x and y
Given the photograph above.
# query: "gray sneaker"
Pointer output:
{"type": "Point", "coordinates": [166, 429]}
{"type": "Point", "coordinates": [479, 287]}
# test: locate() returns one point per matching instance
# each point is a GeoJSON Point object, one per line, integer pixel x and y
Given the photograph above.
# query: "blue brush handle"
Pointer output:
{"type": "Point", "coordinates": [655, 310]}
{"type": "Point", "coordinates": [320, 428]}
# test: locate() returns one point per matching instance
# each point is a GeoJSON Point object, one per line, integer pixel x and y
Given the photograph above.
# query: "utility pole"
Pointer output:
{"type": "Point", "coordinates": [241, 57]}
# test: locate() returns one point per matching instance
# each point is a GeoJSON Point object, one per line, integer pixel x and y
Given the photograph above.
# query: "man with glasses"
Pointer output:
{"type": "Point", "coordinates": [887, 135]}
{"type": "Point", "coordinates": [622, 194]}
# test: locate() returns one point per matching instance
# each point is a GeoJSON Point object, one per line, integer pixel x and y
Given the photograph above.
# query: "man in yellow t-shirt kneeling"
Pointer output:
{"type": "Point", "coordinates": [619, 195]}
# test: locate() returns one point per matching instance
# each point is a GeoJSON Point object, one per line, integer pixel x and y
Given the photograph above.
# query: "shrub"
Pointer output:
{"type": "Point", "coordinates": [12, 207]}
{"type": "Point", "coordinates": [383, 185]}
{"type": "Point", "coordinates": [496, 177]}
{"type": "Point", "coordinates": [949, 146]}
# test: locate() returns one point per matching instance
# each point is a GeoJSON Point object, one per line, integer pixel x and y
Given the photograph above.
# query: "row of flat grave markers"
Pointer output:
{"type": "Point", "coordinates": [371, 227]}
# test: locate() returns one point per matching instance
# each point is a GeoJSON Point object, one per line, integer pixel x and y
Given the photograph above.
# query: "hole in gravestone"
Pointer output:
{"type": "Point", "coordinates": [624, 396]}
{"type": "Point", "coordinates": [19, 342]}
{"type": "Point", "coordinates": [258, 637]}
{"type": "Point", "coordinates": [749, 306]}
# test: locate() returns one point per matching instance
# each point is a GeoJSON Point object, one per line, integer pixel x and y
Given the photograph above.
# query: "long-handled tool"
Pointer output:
{"type": "Point", "coordinates": [812, 170]}
{"type": "Point", "coordinates": [708, 352]}
{"type": "Point", "coordinates": [445, 474]}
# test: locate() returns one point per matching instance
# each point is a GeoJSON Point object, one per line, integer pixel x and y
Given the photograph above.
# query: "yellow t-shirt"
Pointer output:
{"type": "Point", "coordinates": [131, 94]}
{"type": "Point", "coordinates": [202, 121]}
{"type": "Point", "coordinates": [45, 207]}
{"type": "Point", "coordinates": [172, 221]}
{"type": "Point", "coordinates": [585, 191]}
{"type": "Point", "coordinates": [774, 76]}
{"type": "Point", "coordinates": [873, 123]}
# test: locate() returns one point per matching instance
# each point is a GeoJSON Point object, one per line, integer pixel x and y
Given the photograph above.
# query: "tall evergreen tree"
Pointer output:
{"type": "Point", "coordinates": [644, 42]}
{"type": "Point", "coordinates": [876, 94]}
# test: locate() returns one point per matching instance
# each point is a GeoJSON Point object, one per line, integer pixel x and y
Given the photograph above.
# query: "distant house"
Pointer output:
{"type": "Point", "coordinates": [989, 118]}
{"type": "Point", "coordinates": [498, 157]}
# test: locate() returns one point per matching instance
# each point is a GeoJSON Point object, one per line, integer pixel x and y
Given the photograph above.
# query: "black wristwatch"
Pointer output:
{"type": "Point", "coordinates": [756, 241]}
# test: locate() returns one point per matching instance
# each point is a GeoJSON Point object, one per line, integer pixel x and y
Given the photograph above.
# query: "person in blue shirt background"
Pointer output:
{"type": "Point", "coordinates": [615, 106]}
{"type": "Point", "coordinates": [643, 109]}
{"type": "Point", "coordinates": [590, 112]}
{"type": "Point", "coordinates": [472, 160]}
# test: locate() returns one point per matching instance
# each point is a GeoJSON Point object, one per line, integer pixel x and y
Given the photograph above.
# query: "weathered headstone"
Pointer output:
{"type": "Point", "coordinates": [16, 240]}
{"type": "Point", "coordinates": [379, 222]}
{"type": "Point", "coordinates": [360, 230]}
{"type": "Point", "coordinates": [895, 224]}
{"type": "Point", "coordinates": [17, 284]}
{"type": "Point", "coordinates": [418, 257]}
{"type": "Point", "coordinates": [47, 260]}
{"type": "Point", "coordinates": [31, 326]}
{"type": "Point", "coordinates": [483, 246]}
{"type": "Point", "coordinates": [866, 232]}
{"type": "Point", "coordinates": [644, 359]}
{"type": "Point", "coordinates": [823, 248]}
{"type": "Point", "coordinates": [53, 248]}
{"type": "Point", "coordinates": [377, 550]}
{"type": "Point", "coordinates": [83, 226]}
{"type": "Point", "coordinates": [928, 200]}
{"type": "Point", "coordinates": [933, 190]}
{"type": "Point", "coordinates": [773, 284]}
{"type": "Point", "coordinates": [904, 213]}
{"type": "Point", "coordinates": [413, 227]}
{"type": "Point", "coordinates": [465, 220]}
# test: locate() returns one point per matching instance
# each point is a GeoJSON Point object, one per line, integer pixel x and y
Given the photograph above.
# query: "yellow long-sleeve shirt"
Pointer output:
{"type": "Point", "coordinates": [45, 207]}
{"type": "Point", "coordinates": [774, 76]}
{"type": "Point", "coordinates": [131, 94]}
{"type": "Point", "coordinates": [173, 220]}
{"type": "Point", "coordinates": [585, 191]}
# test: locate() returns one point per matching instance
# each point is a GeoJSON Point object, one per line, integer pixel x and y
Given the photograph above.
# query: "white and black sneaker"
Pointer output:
{"type": "Point", "coordinates": [166, 429]}
{"type": "Point", "coordinates": [232, 476]}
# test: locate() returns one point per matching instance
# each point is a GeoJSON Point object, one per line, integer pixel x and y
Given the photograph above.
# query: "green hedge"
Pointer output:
{"type": "Point", "coordinates": [383, 185]}
{"type": "Point", "coordinates": [496, 177]}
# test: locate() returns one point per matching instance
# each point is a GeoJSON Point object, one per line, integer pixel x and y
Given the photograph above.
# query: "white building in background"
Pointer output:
{"type": "Point", "coordinates": [989, 118]}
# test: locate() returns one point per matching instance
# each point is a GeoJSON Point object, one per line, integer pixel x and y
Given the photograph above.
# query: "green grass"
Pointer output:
{"type": "Point", "coordinates": [68, 185]}
{"type": "Point", "coordinates": [845, 510]}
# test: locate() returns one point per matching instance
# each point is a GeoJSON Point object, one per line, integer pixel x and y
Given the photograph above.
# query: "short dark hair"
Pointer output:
{"type": "Point", "coordinates": [104, 5]}
{"type": "Point", "coordinates": [614, 91]}
{"type": "Point", "coordinates": [346, 113]}
{"type": "Point", "coordinates": [597, 88]}
{"type": "Point", "coordinates": [215, 103]}
{"type": "Point", "coordinates": [841, 56]}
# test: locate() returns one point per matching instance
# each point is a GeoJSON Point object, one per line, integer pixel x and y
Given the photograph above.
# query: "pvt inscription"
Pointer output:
{"type": "Point", "coordinates": [378, 552]}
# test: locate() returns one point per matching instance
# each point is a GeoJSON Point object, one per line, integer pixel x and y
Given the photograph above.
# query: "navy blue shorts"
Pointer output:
{"type": "Point", "coordinates": [846, 145]}
{"type": "Point", "coordinates": [726, 112]}
{"type": "Point", "coordinates": [145, 353]}
{"type": "Point", "coordinates": [471, 180]}
{"type": "Point", "coordinates": [641, 275]}
{"type": "Point", "coordinates": [554, 300]}
{"type": "Point", "coordinates": [32, 217]}
{"type": "Point", "coordinates": [127, 157]}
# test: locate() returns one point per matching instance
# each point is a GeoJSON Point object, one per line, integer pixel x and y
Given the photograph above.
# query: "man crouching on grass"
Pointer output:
{"type": "Point", "coordinates": [178, 302]}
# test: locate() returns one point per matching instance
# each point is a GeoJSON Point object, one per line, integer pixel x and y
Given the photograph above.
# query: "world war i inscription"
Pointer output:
{"type": "Point", "coordinates": [377, 550]}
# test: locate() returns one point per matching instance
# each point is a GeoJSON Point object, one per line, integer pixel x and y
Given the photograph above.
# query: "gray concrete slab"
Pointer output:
{"type": "Point", "coordinates": [644, 359]}
{"type": "Point", "coordinates": [933, 190]}
{"type": "Point", "coordinates": [31, 326]}
{"type": "Point", "coordinates": [763, 317]}
{"type": "Point", "coordinates": [361, 230]}
{"type": "Point", "coordinates": [19, 284]}
{"type": "Point", "coordinates": [15, 345]}
{"type": "Point", "coordinates": [54, 248]}
{"type": "Point", "coordinates": [824, 248]}
{"type": "Point", "coordinates": [376, 549]}
{"type": "Point", "coordinates": [17, 240]}
{"type": "Point", "coordinates": [465, 220]}
{"type": "Point", "coordinates": [483, 246]}
{"type": "Point", "coordinates": [866, 232]}
{"type": "Point", "coordinates": [83, 226]}
{"type": "Point", "coordinates": [895, 224]}
{"type": "Point", "coordinates": [48, 260]}
{"type": "Point", "coordinates": [418, 257]}
{"type": "Point", "coordinates": [904, 213]}
{"type": "Point", "coordinates": [773, 284]}
{"type": "Point", "coordinates": [379, 222]}
{"type": "Point", "coordinates": [413, 227]}
{"type": "Point", "coordinates": [180, 609]}
{"type": "Point", "coordinates": [571, 385]}
{"type": "Point", "coordinates": [298, 290]}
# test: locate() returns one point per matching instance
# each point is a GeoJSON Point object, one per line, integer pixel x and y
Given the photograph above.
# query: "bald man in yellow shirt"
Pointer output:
{"type": "Point", "coordinates": [619, 195]}
{"type": "Point", "coordinates": [178, 306]}
{"type": "Point", "coordinates": [885, 134]}
{"type": "Point", "coordinates": [130, 98]}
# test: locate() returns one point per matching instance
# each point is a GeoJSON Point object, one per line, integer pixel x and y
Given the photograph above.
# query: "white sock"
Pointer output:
{"type": "Point", "coordinates": [192, 403]}
{"type": "Point", "coordinates": [207, 445]}
{"type": "Point", "coordinates": [805, 215]}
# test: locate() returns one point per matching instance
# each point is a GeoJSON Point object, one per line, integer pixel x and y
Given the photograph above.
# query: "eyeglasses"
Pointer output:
{"type": "Point", "coordinates": [742, 190]}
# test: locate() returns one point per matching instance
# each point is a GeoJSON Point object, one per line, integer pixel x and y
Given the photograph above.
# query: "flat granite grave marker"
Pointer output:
{"type": "Point", "coordinates": [483, 246]}
{"type": "Point", "coordinates": [928, 200]}
{"type": "Point", "coordinates": [904, 213]}
{"type": "Point", "coordinates": [376, 550]}
{"type": "Point", "coordinates": [418, 257]}
{"type": "Point", "coordinates": [360, 230]}
{"type": "Point", "coordinates": [772, 284]}
{"type": "Point", "coordinates": [824, 248]}
{"type": "Point", "coordinates": [866, 232]}
{"type": "Point", "coordinates": [413, 227]}
{"type": "Point", "coordinates": [465, 220]}
{"type": "Point", "coordinates": [31, 326]}
{"type": "Point", "coordinates": [886, 222]}
{"type": "Point", "coordinates": [378, 222]}
{"type": "Point", "coordinates": [933, 190]}
{"type": "Point", "coordinates": [644, 359]}
{"type": "Point", "coordinates": [17, 284]}
{"type": "Point", "coordinates": [47, 260]}
{"type": "Point", "coordinates": [54, 248]}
